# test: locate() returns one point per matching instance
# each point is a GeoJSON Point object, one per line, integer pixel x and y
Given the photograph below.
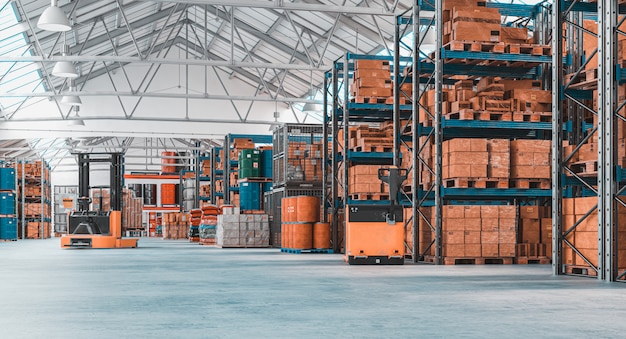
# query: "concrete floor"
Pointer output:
{"type": "Point", "coordinates": [174, 289]}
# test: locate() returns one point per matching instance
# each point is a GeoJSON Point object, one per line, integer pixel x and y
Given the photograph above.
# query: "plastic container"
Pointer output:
{"type": "Point", "coordinates": [250, 195]}
{"type": "Point", "coordinates": [302, 235]}
{"type": "Point", "coordinates": [249, 163]}
{"type": "Point", "coordinates": [308, 209]}
{"type": "Point", "coordinates": [321, 235]}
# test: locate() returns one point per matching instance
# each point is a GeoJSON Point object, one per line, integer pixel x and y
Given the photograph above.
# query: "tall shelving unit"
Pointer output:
{"type": "Point", "coordinates": [8, 201]}
{"type": "Point", "coordinates": [434, 71]}
{"type": "Point", "coordinates": [33, 179]}
{"type": "Point", "coordinates": [575, 103]}
{"type": "Point", "coordinates": [341, 158]}
{"type": "Point", "coordinates": [231, 165]}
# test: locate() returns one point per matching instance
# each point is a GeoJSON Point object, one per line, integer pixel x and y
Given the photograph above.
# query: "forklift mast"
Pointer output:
{"type": "Point", "coordinates": [115, 173]}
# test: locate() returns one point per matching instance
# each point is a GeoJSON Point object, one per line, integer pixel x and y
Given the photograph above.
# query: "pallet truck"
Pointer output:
{"type": "Point", "coordinates": [97, 229]}
{"type": "Point", "coordinates": [375, 233]}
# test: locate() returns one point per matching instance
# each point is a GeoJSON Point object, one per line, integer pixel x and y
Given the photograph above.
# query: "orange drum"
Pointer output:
{"type": "Point", "coordinates": [321, 235]}
{"type": "Point", "coordinates": [308, 209]}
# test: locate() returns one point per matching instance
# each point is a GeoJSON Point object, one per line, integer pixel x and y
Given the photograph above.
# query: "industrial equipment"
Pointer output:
{"type": "Point", "coordinates": [97, 229]}
{"type": "Point", "coordinates": [375, 233]}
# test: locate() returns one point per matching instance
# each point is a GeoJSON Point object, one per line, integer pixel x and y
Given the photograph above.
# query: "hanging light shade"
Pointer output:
{"type": "Point", "coordinates": [71, 100]}
{"type": "Point", "coordinates": [311, 107]}
{"type": "Point", "coordinates": [76, 121]}
{"type": "Point", "coordinates": [64, 69]}
{"type": "Point", "coordinates": [54, 19]}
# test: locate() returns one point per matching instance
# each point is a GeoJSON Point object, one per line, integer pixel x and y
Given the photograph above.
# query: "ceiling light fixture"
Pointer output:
{"type": "Point", "coordinates": [310, 106]}
{"type": "Point", "coordinates": [77, 121]}
{"type": "Point", "coordinates": [65, 69]}
{"type": "Point", "coordinates": [54, 19]}
{"type": "Point", "coordinates": [71, 100]}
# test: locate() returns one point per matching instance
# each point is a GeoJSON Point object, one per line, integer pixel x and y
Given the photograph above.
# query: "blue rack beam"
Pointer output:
{"type": "Point", "coordinates": [518, 10]}
{"type": "Point", "coordinates": [540, 59]}
{"type": "Point", "coordinates": [371, 158]}
{"type": "Point", "coordinates": [259, 139]}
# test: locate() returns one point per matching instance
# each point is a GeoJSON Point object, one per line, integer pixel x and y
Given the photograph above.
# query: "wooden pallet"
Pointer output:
{"type": "Point", "coordinates": [494, 115]}
{"type": "Point", "coordinates": [532, 116]}
{"type": "Point", "coordinates": [530, 49]}
{"type": "Point", "coordinates": [373, 148]}
{"type": "Point", "coordinates": [307, 250]}
{"type": "Point", "coordinates": [262, 180]}
{"type": "Point", "coordinates": [533, 260]}
{"type": "Point", "coordinates": [379, 100]}
{"type": "Point", "coordinates": [587, 79]}
{"type": "Point", "coordinates": [369, 196]}
{"type": "Point", "coordinates": [585, 168]}
{"type": "Point", "coordinates": [476, 183]}
{"type": "Point", "coordinates": [475, 46]}
{"type": "Point", "coordinates": [543, 184]}
{"type": "Point", "coordinates": [581, 270]}
{"type": "Point", "coordinates": [478, 261]}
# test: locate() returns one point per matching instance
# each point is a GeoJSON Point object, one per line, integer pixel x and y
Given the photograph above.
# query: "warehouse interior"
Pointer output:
{"type": "Point", "coordinates": [312, 168]}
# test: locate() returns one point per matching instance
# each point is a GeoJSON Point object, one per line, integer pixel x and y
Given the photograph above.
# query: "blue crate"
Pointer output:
{"type": "Point", "coordinates": [8, 228]}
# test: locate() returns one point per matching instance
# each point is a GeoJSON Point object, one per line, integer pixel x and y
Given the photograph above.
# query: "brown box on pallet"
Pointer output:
{"type": "Point", "coordinates": [489, 224]}
{"type": "Point", "coordinates": [507, 212]}
{"type": "Point", "coordinates": [450, 4]}
{"type": "Point", "coordinates": [471, 237]}
{"type": "Point", "coordinates": [473, 224]}
{"type": "Point", "coordinates": [538, 146]}
{"type": "Point", "coordinates": [507, 249]}
{"type": "Point", "coordinates": [372, 73]}
{"type": "Point", "coordinates": [374, 82]}
{"type": "Point", "coordinates": [586, 240]}
{"type": "Point", "coordinates": [453, 225]}
{"type": "Point", "coordinates": [373, 92]}
{"type": "Point", "coordinates": [483, 15]}
{"type": "Point", "coordinates": [568, 255]}
{"type": "Point", "coordinates": [468, 158]}
{"type": "Point", "coordinates": [529, 231]}
{"type": "Point", "coordinates": [489, 212]}
{"type": "Point", "coordinates": [589, 224]}
{"type": "Point", "coordinates": [590, 254]}
{"type": "Point", "coordinates": [489, 237]}
{"type": "Point", "coordinates": [371, 64]}
{"type": "Point", "coordinates": [473, 250]}
{"type": "Point", "coordinates": [583, 205]}
{"type": "Point", "coordinates": [453, 212]}
{"type": "Point", "coordinates": [490, 250]}
{"type": "Point", "coordinates": [530, 172]}
{"type": "Point", "coordinates": [453, 250]}
{"type": "Point", "coordinates": [520, 84]}
{"type": "Point", "coordinates": [514, 35]}
{"type": "Point", "coordinates": [454, 237]}
{"type": "Point", "coordinates": [532, 212]}
{"type": "Point", "coordinates": [471, 211]}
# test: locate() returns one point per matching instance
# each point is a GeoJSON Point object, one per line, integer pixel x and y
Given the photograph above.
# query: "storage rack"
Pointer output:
{"type": "Point", "coordinates": [285, 184]}
{"type": "Point", "coordinates": [8, 187]}
{"type": "Point", "coordinates": [42, 180]}
{"type": "Point", "coordinates": [433, 72]}
{"type": "Point", "coordinates": [230, 166]}
{"type": "Point", "coordinates": [608, 183]}
{"type": "Point", "coordinates": [338, 118]}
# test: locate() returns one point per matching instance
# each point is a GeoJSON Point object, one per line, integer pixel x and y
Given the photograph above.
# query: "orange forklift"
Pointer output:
{"type": "Point", "coordinates": [375, 233]}
{"type": "Point", "coordinates": [97, 229]}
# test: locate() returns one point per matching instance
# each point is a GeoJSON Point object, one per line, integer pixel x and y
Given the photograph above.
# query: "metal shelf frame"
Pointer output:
{"type": "Point", "coordinates": [430, 71]}
{"type": "Point", "coordinates": [610, 188]}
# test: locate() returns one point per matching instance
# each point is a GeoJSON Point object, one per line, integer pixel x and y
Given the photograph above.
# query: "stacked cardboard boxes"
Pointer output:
{"type": "Point", "coordinates": [534, 234]}
{"type": "Point", "coordinates": [372, 79]}
{"type": "Point", "coordinates": [35, 229]}
{"type": "Point", "coordinates": [243, 230]}
{"type": "Point", "coordinates": [175, 225]}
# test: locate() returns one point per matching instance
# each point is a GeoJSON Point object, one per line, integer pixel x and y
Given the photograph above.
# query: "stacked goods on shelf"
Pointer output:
{"type": "Point", "coordinates": [208, 225]}
{"type": "Point", "coordinates": [491, 98]}
{"type": "Point", "coordinates": [35, 199]}
{"type": "Point", "coordinates": [467, 21]}
{"type": "Point", "coordinates": [175, 225]}
{"type": "Point", "coordinates": [205, 168]}
{"type": "Point", "coordinates": [372, 82]}
{"type": "Point", "coordinates": [8, 220]}
{"type": "Point", "coordinates": [584, 237]}
{"type": "Point", "coordinates": [531, 163]}
{"type": "Point", "coordinates": [169, 162]}
{"type": "Point", "coordinates": [249, 163]}
{"type": "Point", "coordinates": [476, 234]}
{"type": "Point", "coordinates": [301, 226]}
{"type": "Point", "coordinates": [297, 153]}
{"type": "Point", "coordinates": [242, 230]}
{"type": "Point", "coordinates": [153, 224]}
{"type": "Point", "coordinates": [534, 237]}
{"type": "Point", "coordinates": [195, 219]}
{"type": "Point", "coordinates": [492, 163]}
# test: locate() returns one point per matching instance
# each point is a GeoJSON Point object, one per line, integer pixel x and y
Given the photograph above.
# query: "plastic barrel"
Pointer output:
{"type": "Point", "coordinates": [7, 179]}
{"type": "Point", "coordinates": [249, 163]}
{"type": "Point", "coordinates": [8, 228]}
{"type": "Point", "coordinates": [321, 235]}
{"type": "Point", "coordinates": [168, 194]}
{"type": "Point", "coordinates": [250, 195]}
{"type": "Point", "coordinates": [302, 235]}
{"type": "Point", "coordinates": [7, 203]}
{"type": "Point", "coordinates": [266, 163]}
{"type": "Point", "coordinates": [289, 208]}
{"type": "Point", "coordinates": [308, 209]}
{"type": "Point", "coordinates": [286, 235]}
{"type": "Point", "coordinates": [167, 164]}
